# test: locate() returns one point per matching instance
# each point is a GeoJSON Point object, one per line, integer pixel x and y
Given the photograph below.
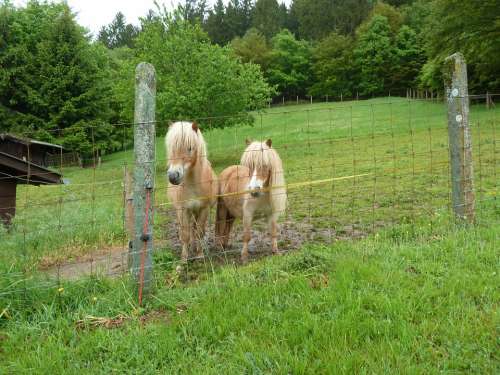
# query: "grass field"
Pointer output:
{"type": "Point", "coordinates": [413, 294]}
{"type": "Point", "coordinates": [401, 145]}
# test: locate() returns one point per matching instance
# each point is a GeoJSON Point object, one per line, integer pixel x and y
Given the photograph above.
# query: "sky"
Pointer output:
{"type": "Point", "coordinates": [93, 14]}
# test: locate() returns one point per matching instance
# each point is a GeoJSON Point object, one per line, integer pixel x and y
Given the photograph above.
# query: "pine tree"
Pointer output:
{"type": "Point", "coordinates": [118, 33]}
{"type": "Point", "coordinates": [216, 26]}
{"type": "Point", "coordinates": [266, 17]}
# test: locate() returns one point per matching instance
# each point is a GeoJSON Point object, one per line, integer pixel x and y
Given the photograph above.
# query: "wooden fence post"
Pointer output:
{"type": "Point", "coordinates": [144, 168]}
{"type": "Point", "coordinates": [459, 134]}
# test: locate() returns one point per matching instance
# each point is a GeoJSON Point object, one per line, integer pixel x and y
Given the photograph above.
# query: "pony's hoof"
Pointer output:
{"type": "Point", "coordinates": [244, 259]}
{"type": "Point", "coordinates": [277, 252]}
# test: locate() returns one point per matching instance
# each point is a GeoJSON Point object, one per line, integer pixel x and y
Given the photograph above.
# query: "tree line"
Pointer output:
{"type": "Point", "coordinates": [59, 83]}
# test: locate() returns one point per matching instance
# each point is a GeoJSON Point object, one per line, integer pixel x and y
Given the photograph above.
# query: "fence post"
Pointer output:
{"type": "Point", "coordinates": [144, 150]}
{"type": "Point", "coordinates": [459, 134]}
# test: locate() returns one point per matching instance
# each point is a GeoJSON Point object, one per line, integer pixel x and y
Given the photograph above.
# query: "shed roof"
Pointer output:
{"type": "Point", "coordinates": [28, 141]}
{"type": "Point", "coordinates": [25, 172]}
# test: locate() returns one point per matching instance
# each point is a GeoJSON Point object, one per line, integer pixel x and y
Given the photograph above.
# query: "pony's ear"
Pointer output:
{"type": "Point", "coordinates": [248, 141]}
{"type": "Point", "coordinates": [269, 142]}
{"type": "Point", "coordinates": [195, 127]}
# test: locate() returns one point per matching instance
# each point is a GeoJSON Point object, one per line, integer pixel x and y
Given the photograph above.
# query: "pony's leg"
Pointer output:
{"type": "Point", "coordinates": [273, 224]}
{"type": "Point", "coordinates": [247, 235]}
{"type": "Point", "coordinates": [227, 234]}
{"type": "Point", "coordinates": [223, 224]}
{"type": "Point", "coordinates": [185, 223]}
{"type": "Point", "coordinates": [199, 226]}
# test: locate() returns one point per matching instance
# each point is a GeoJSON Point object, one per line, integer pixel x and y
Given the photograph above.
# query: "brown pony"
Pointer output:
{"type": "Point", "coordinates": [256, 187]}
{"type": "Point", "coordinates": [193, 184]}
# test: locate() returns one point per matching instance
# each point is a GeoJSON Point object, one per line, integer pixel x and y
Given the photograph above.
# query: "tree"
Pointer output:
{"type": "Point", "coordinates": [374, 56]}
{"type": "Point", "coordinates": [118, 33]}
{"type": "Point", "coordinates": [238, 17]}
{"type": "Point", "coordinates": [290, 65]}
{"type": "Point", "coordinates": [252, 48]}
{"type": "Point", "coordinates": [393, 15]}
{"type": "Point", "coordinates": [266, 17]}
{"type": "Point", "coordinates": [292, 21]}
{"type": "Point", "coordinates": [333, 69]}
{"type": "Point", "coordinates": [409, 58]}
{"type": "Point", "coordinates": [315, 18]}
{"type": "Point", "coordinates": [318, 18]}
{"type": "Point", "coordinates": [196, 79]}
{"type": "Point", "coordinates": [215, 25]}
{"type": "Point", "coordinates": [470, 27]}
{"type": "Point", "coordinates": [54, 83]}
{"type": "Point", "coordinates": [193, 11]}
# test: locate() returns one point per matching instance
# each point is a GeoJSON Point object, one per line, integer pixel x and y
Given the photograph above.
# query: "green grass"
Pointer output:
{"type": "Point", "coordinates": [417, 294]}
{"type": "Point", "coordinates": [401, 144]}
{"type": "Point", "coordinates": [407, 300]}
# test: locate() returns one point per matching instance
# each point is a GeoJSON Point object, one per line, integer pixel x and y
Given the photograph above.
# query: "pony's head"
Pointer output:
{"type": "Point", "coordinates": [264, 164]}
{"type": "Point", "coordinates": [185, 147]}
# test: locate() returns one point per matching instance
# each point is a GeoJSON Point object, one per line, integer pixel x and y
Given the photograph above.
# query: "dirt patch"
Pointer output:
{"type": "Point", "coordinates": [155, 317]}
{"type": "Point", "coordinates": [112, 262]}
{"type": "Point", "coordinates": [75, 254]}
{"type": "Point", "coordinates": [294, 234]}
{"type": "Point", "coordinates": [93, 322]}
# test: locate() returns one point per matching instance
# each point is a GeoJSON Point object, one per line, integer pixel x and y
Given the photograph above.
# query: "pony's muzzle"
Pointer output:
{"type": "Point", "coordinates": [256, 192]}
{"type": "Point", "coordinates": [174, 177]}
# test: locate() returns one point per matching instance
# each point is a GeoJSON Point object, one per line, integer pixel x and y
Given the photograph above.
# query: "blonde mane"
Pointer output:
{"type": "Point", "coordinates": [181, 136]}
{"type": "Point", "coordinates": [258, 155]}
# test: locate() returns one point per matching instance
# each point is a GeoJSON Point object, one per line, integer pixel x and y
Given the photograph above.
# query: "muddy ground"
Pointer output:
{"type": "Point", "coordinates": [293, 235]}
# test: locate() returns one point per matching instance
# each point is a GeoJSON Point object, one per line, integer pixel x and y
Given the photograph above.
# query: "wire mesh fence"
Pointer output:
{"type": "Point", "coordinates": [351, 169]}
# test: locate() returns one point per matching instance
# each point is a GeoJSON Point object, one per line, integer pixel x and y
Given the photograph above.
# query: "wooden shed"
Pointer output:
{"type": "Point", "coordinates": [23, 161]}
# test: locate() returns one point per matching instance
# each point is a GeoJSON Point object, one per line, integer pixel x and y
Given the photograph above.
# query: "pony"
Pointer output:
{"type": "Point", "coordinates": [256, 187]}
{"type": "Point", "coordinates": [192, 183]}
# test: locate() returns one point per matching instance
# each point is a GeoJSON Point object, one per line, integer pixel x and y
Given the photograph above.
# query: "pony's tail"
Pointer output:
{"type": "Point", "coordinates": [223, 223]}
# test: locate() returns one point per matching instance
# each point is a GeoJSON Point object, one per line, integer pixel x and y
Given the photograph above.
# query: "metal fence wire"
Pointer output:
{"type": "Point", "coordinates": [351, 170]}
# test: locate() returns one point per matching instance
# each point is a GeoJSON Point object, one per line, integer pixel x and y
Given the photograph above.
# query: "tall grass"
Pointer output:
{"type": "Point", "coordinates": [416, 294]}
